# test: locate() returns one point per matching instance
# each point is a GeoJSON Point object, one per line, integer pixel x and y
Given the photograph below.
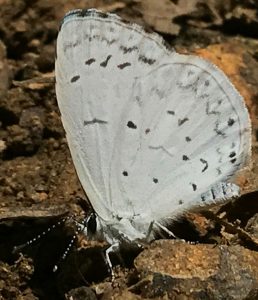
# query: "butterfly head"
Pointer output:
{"type": "Point", "coordinates": [118, 230]}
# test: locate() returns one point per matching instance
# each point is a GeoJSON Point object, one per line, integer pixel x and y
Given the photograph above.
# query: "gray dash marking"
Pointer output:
{"type": "Point", "coordinates": [124, 65]}
{"type": "Point", "coordinates": [94, 121]}
{"type": "Point", "coordinates": [105, 62]}
{"type": "Point", "coordinates": [90, 61]}
{"type": "Point", "coordinates": [218, 131]}
{"type": "Point", "coordinates": [182, 121]}
{"type": "Point", "coordinates": [171, 112]}
{"type": "Point", "coordinates": [219, 171]}
{"type": "Point", "coordinates": [128, 49]}
{"type": "Point", "coordinates": [205, 164]}
{"type": "Point", "coordinates": [213, 194]}
{"type": "Point", "coordinates": [146, 60]}
{"type": "Point", "coordinates": [209, 111]}
{"type": "Point", "coordinates": [75, 78]}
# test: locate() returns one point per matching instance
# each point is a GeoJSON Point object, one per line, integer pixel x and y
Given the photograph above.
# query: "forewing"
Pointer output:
{"type": "Point", "coordinates": [98, 60]}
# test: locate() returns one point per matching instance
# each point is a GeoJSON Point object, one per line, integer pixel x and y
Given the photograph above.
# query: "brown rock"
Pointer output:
{"type": "Point", "coordinates": [81, 293]}
{"type": "Point", "coordinates": [176, 268]}
{"type": "Point", "coordinates": [4, 71]}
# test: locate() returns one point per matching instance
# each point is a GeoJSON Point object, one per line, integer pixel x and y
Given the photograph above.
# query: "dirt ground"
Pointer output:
{"type": "Point", "coordinates": [38, 184]}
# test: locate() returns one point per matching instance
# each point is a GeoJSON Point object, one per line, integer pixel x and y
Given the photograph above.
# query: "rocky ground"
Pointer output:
{"type": "Point", "coordinates": [38, 185]}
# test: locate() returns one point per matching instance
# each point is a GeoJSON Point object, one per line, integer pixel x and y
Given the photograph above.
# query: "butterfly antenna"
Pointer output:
{"type": "Point", "coordinates": [43, 233]}
{"type": "Point", "coordinates": [80, 228]}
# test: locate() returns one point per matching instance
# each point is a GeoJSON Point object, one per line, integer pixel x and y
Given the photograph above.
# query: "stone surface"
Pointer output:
{"type": "Point", "coordinates": [215, 272]}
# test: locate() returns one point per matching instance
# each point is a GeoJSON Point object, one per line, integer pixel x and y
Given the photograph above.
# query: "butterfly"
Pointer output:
{"type": "Point", "coordinates": [152, 133]}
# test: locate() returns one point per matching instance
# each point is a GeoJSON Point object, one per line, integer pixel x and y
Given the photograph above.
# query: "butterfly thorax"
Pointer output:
{"type": "Point", "coordinates": [119, 230]}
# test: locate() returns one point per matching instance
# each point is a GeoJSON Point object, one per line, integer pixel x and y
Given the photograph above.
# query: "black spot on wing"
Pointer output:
{"type": "Point", "coordinates": [75, 78]}
{"type": "Point", "coordinates": [232, 154]}
{"type": "Point", "coordinates": [194, 187]}
{"type": "Point", "coordinates": [188, 139]}
{"type": "Point", "coordinates": [147, 130]}
{"type": "Point", "coordinates": [124, 65]}
{"type": "Point", "coordinates": [131, 125]}
{"type": "Point", "coordinates": [205, 164]}
{"type": "Point", "coordinates": [155, 180]}
{"type": "Point", "coordinates": [180, 202]}
{"type": "Point", "coordinates": [105, 62]}
{"type": "Point", "coordinates": [90, 61]}
{"type": "Point", "coordinates": [231, 121]}
{"type": "Point", "coordinates": [125, 173]}
{"type": "Point", "coordinates": [171, 112]}
{"type": "Point", "coordinates": [185, 157]}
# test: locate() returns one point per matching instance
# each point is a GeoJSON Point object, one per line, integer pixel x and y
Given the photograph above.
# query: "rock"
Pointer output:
{"type": "Point", "coordinates": [26, 138]}
{"type": "Point", "coordinates": [4, 71]}
{"type": "Point", "coordinates": [252, 226]}
{"type": "Point", "coordinates": [174, 268]}
{"type": "Point", "coordinates": [46, 59]}
{"type": "Point", "coordinates": [81, 293]}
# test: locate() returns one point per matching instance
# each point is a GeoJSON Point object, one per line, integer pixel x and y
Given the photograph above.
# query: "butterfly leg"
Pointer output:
{"type": "Point", "coordinates": [170, 233]}
{"type": "Point", "coordinates": [160, 226]}
{"type": "Point", "coordinates": [113, 248]}
{"type": "Point", "coordinates": [148, 235]}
